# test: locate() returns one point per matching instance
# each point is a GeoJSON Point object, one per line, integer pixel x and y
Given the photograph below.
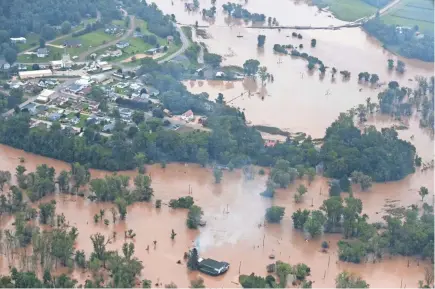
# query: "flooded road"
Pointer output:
{"type": "Point", "coordinates": [234, 212]}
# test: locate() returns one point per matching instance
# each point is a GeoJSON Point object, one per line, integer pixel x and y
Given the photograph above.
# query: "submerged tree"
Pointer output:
{"type": "Point", "coordinates": [275, 214]}
{"type": "Point", "coordinates": [348, 280]}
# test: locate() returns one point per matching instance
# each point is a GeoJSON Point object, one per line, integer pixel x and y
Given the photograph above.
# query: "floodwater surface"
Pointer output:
{"type": "Point", "coordinates": [234, 211]}
{"type": "Point", "coordinates": [235, 230]}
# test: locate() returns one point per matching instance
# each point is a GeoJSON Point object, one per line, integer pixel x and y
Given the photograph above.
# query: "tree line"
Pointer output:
{"type": "Point", "coordinates": [405, 39]}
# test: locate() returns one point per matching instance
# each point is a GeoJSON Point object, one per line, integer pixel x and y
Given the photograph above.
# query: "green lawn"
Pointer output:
{"type": "Point", "coordinates": [55, 54]}
{"type": "Point", "coordinates": [32, 39]}
{"type": "Point", "coordinates": [411, 13]}
{"type": "Point", "coordinates": [350, 10]}
{"type": "Point", "coordinates": [137, 45]}
{"type": "Point", "coordinates": [88, 40]}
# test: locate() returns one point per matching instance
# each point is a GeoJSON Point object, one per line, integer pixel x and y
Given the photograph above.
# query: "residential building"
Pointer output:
{"type": "Point", "coordinates": [42, 52]}
{"type": "Point", "coordinates": [56, 64]}
{"type": "Point", "coordinates": [54, 116]}
{"type": "Point", "coordinates": [153, 51]}
{"type": "Point", "coordinates": [116, 53]}
{"type": "Point", "coordinates": [109, 127]}
{"type": "Point", "coordinates": [18, 40]}
{"type": "Point", "coordinates": [72, 43]}
{"type": "Point", "coordinates": [122, 44]}
{"type": "Point", "coordinates": [188, 116]}
{"type": "Point", "coordinates": [75, 88]}
{"type": "Point", "coordinates": [45, 95]}
{"type": "Point", "coordinates": [220, 74]}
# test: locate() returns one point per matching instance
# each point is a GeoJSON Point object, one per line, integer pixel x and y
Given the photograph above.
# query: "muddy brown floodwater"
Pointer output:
{"type": "Point", "coordinates": [234, 211]}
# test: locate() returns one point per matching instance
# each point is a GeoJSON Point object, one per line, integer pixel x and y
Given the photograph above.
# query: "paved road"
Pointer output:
{"type": "Point", "coordinates": [82, 56]}
{"type": "Point", "coordinates": [184, 45]}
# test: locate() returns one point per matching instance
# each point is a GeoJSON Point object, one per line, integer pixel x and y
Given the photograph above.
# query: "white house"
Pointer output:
{"type": "Point", "coordinates": [122, 44]}
{"type": "Point", "coordinates": [42, 52]}
{"type": "Point", "coordinates": [19, 40]}
{"type": "Point", "coordinates": [188, 116]}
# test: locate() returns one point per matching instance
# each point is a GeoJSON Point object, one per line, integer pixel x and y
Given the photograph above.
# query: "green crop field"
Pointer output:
{"type": "Point", "coordinates": [411, 13]}
{"type": "Point", "coordinates": [350, 10]}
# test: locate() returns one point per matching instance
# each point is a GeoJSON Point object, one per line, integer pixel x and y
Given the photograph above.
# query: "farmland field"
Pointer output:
{"type": "Point", "coordinates": [349, 10]}
{"type": "Point", "coordinates": [411, 13]}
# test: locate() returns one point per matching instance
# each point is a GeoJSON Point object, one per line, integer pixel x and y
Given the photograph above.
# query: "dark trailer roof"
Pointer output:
{"type": "Point", "coordinates": [212, 264]}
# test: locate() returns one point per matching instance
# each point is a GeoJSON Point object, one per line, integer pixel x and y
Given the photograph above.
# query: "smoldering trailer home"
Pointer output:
{"type": "Point", "coordinates": [210, 266]}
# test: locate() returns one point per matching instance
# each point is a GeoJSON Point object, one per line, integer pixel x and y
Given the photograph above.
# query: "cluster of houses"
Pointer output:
{"type": "Point", "coordinates": [112, 29]}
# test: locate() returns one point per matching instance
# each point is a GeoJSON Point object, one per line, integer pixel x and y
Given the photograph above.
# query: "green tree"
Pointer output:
{"type": "Point", "coordinates": [143, 191]}
{"type": "Point", "coordinates": [333, 207]}
{"type": "Point", "coordinates": [194, 217]}
{"type": "Point", "coordinates": [80, 175]}
{"type": "Point", "coordinates": [390, 64]}
{"type": "Point", "coordinates": [21, 177]}
{"type": "Point", "coordinates": [334, 188]}
{"type": "Point", "coordinates": [5, 178]}
{"type": "Point", "coordinates": [10, 55]}
{"type": "Point", "coordinates": [275, 214]}
{"type": "Point", "coordinates": [65, 28]}
{"type": "Point", "coordinates": [423, 192]}
{"type": "Point", "coordinates": [63, 181]}
{"type": "Point", "coordinates": [350, 216]}
{"type": "Point", "coordinates": [212, 59]}
{"type": "Point", "coordinates": [138, 117]}
{"type": "Point", "coordinates": [262, 72]}
{"type": "Point", "coordinates": [140, 160]}
{"type": "Point", "coordinates": [400, 66]}
{"type": "Point", "coordinates": [252, 281]}
{"type": "Point", "coordinates": [250, 67]}
{"type": "Point", "coordinates": [311, 174]}
{"type": "Point", "coordinates": [349, 280]}
{"type": "Point", "coordinates": [301, 271]}
{"type": "Point", "coordinates": [202, 156]}
{"type": "Point", "coordinates": [299, 218]}
{"type": "Point", "coordinates": [192, 260]}
{"type": "Point", "coordinates": [261, 39]}
{"type": "Point", "coordinates": [217, 175]}
{"type": "Point", "coordinates": [282, 271]}
{"type": "Point", "coordinates": [122, 207]}
{"type": "Point", "coordinates": [314, 223]}
{"type": "Point", "coordinates": [313, 42]}
{"type": "Point", "coordinates": [374, 78]}
{"type": "Point", "coordinates": [47, 212]}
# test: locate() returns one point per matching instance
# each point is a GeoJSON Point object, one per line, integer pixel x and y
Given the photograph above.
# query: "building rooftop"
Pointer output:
{"type": "Point", "coordinates": [46, 93]}
{"type": "Point", "coordinates": [42, 51]}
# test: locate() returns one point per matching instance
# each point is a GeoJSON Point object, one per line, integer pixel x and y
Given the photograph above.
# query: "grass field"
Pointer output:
{"type": "Point", "coordinates": [88, 40]}
{"type": "Point", "coordinates": [137, 45]}
{"type": "Point", "coordinates": [55, 54]}
{"type": "Point", "coordinates": [411, 13]}
{"type": "Point", "coordinates": [350, 10]}
{"type": "Point", "coordinates": [33, 38]}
